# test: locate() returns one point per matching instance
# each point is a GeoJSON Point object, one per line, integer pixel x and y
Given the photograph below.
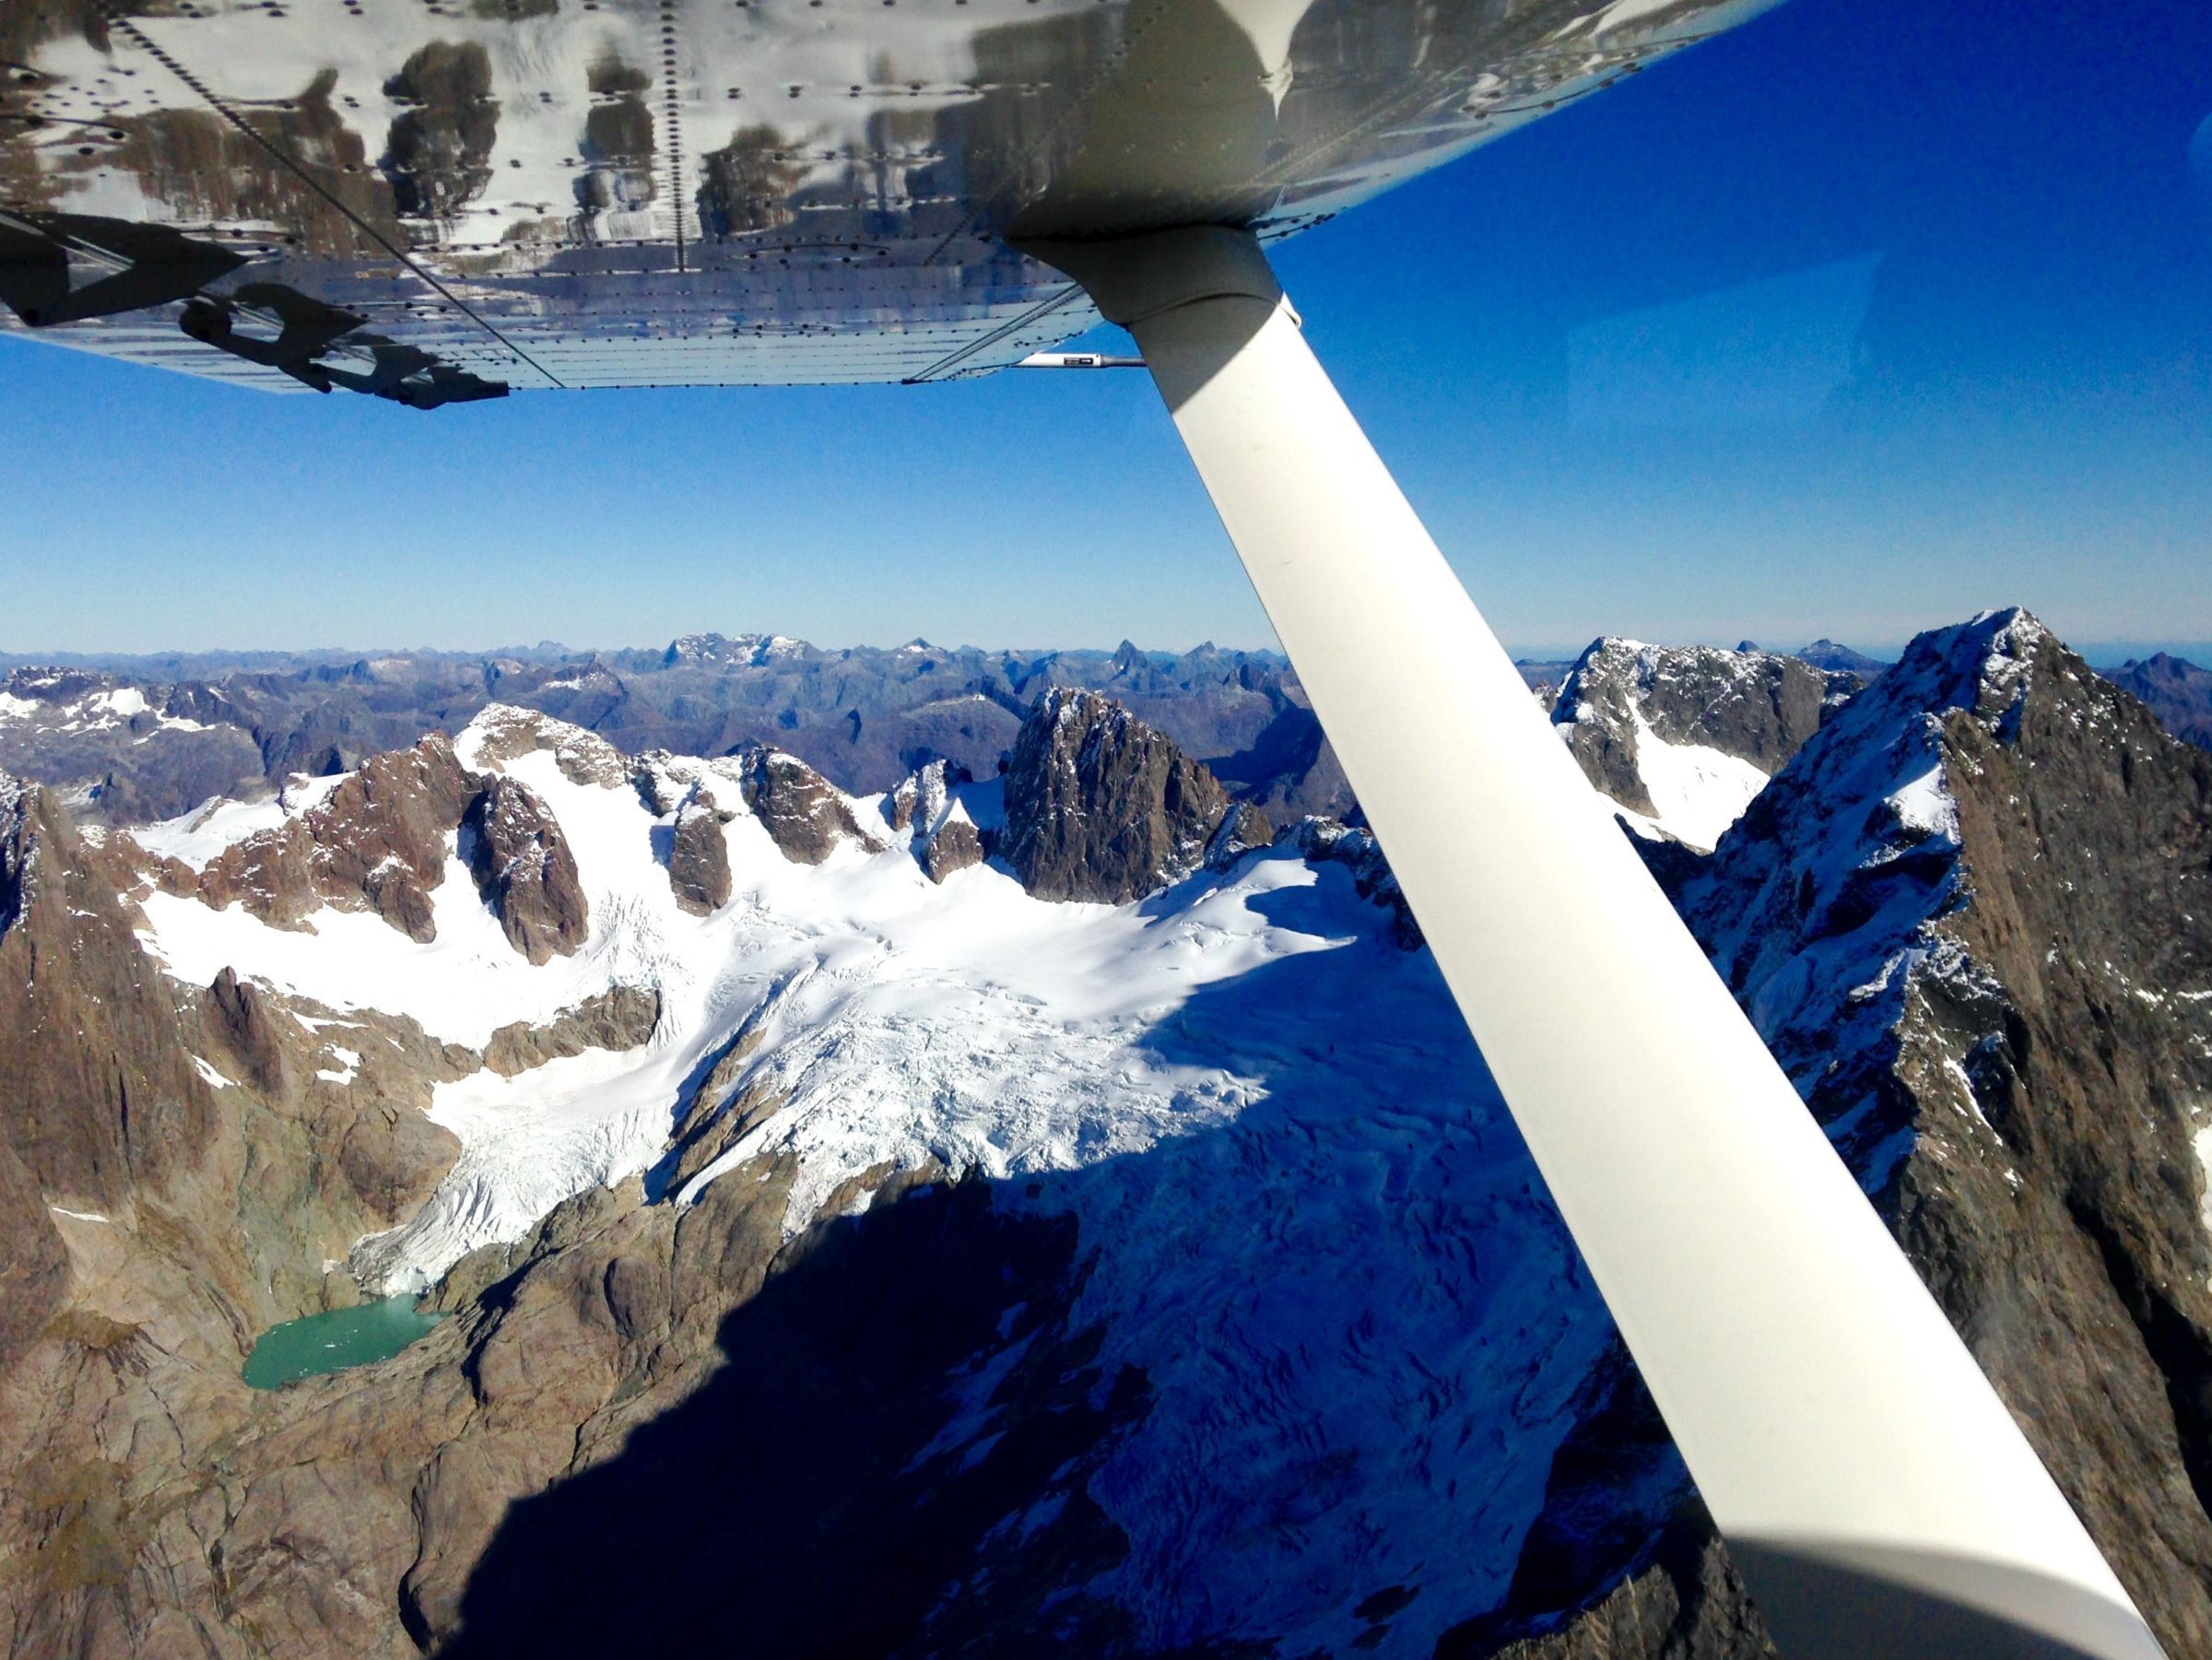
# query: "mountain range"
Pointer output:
{"type": "Point", "coordinates": [918, 1159]}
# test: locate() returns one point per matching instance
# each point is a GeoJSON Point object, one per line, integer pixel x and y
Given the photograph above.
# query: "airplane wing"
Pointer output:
{"type": "Point", "coordinates": [435, 200]}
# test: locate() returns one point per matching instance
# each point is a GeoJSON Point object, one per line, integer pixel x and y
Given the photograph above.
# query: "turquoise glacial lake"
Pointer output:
{"type": "Point", "coordinates": [332, 1342]}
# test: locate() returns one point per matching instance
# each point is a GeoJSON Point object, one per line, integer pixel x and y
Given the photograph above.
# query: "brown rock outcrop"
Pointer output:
{"type": "Point", "coordinates": [526, 871]}
{"type": "Point", "coordinates": [1687, 1605]}
{"type": "Point", "coordinates": [376, 842]}
{"type": "Point", "coordinates": [237, 1017]}
{"type": "Point", "coordinates": [802, 813]}
{"type": "Point", "coordinates": [97, 1097]}
{"type": "Point", "coordinates": [1243, 828]}
{"type": "Point", "coordinates": [923, 809]}
{"type": "Point", "coordinates": [622, 1016]}
{"type": "Point", "coordinates": [1099, 805]}
{"type": "Point", "coordinates": [955, 844]}
{"type": "Point", "coordinates": [699, 855]}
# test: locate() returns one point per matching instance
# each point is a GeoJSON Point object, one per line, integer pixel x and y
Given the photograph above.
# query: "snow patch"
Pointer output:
{"type": "Point", "coordinates": [214, 1079]}
{"type": "Point", "coordinates": [347, 1069]}
{"type": "Point", "coordinates": [1924, 806]}
{"type": "Point", "coordinates": [1697, 792]}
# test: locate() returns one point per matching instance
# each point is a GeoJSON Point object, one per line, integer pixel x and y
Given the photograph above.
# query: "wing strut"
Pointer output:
{"type": "Point", "coordinates": [1875, 1493]}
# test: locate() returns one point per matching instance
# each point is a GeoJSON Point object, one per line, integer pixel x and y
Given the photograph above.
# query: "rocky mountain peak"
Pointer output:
{"type": "Point", "coordinates": [503, 732]}
{"type": "Point", "coordinates": [1853, 848]}
{"type": "Point", "coordinates": [526, 870]}
{"type": "Point", "coordinates": [375, 841]}
{"type": "Point", "coordinates": [698, 854]}
{"type": "Point", "coordinates": [1972, 917]}
{"type": "Point", "coordinates": [379, 839]}
{"type": "Point", "coordinates": [1683, 736]}
{"type": "Point", "coordinates": [802, 811]}
{"type": "Point", "coordinates": [1100, 806]}
{"type": "Point", "coordinates": [699, 649]}
{"type": "Point", "coordinates": [944, 838]}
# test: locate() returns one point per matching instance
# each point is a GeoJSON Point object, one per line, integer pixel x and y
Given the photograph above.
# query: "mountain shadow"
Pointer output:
{"type": "Point", "coordinates": [782, 1508]}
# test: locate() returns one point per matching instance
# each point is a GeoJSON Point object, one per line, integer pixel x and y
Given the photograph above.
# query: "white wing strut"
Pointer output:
{"type": "Point", "coordinates": [1874, 1491]}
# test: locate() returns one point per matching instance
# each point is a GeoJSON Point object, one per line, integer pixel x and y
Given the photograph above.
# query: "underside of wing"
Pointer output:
{"type": "Point", "coordinates": [440, 200]}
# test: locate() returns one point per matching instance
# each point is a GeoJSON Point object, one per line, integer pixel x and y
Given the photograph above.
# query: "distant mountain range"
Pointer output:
{"type": "Point", "coordinates": [132, 740]}
{"type": "Point", "coordinates": [2179, 690]}
{"type": "Point", "coordinates": [1053, 1208]}
{"type": "Point", "coordinates": [131, 747]}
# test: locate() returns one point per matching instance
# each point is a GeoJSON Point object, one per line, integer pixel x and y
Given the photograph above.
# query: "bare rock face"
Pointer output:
{"type": "Point", "coordinates": [1686, 1605]}
{"type": "Point", "coordinates": [34, 1268]}
{"type": "Point", "coordinates": [526, 872]}
{"type": "Point", "coordinates": [1756, 706]}
{"type": "Point", "coordinates": [1243, 829]}
{"type": "Point", "coordinates": [329, 1108]}
{"type": "Point", "coordinates": [925, 808]}
{"type": "Point", "coordinates": [720, 1113]}
{"type": "Point", "coordinates": [377, 842]}
{"type": "Point", "coordinates": [97, 1095]}
{"type": "Point", "coordinates": [953, 845]}
{"type": "Point", "coordinates": [622, 1016]}
{"type": "Point", "coordinates": [201, 1126]}
{"type": "Point", "coordinates": [175, 1166]}
{"type": "Point", "coordinates": [802, 813]}
{"type": "Point", "coordinates": [245, 1036]}
{"type": "Point", "coordinates": [1100, 807]}
{"type": "Point", "coordinates": [699, 855]}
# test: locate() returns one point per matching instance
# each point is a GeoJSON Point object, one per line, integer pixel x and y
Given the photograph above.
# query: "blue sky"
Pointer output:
{"type": "Point", "coordinates": [1850, 322]}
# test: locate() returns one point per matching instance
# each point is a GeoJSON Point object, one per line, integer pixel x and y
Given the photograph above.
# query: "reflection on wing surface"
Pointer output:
{"type": "Point", "coordinates": [593, 193]}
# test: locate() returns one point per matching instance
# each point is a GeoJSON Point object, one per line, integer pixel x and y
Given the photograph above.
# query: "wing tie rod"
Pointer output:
{"type": "Point", "coordinates": [1875, 1493]}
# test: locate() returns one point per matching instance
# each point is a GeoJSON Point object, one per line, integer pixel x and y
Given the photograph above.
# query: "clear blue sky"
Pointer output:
{"type": "Point", "coordinates": [1853, 321]}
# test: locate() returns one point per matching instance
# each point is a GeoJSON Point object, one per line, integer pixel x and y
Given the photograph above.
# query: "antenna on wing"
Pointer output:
{"type": "Point", "coordinates": [1077, 359]}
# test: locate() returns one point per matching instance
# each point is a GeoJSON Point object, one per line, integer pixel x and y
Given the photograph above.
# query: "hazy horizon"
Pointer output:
{"type": "Point", "coordinates": [2099, 653]}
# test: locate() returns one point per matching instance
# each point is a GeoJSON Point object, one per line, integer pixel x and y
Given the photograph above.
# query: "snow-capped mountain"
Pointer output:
{"type": "Point", "coordinates": [1973, 917]}
{"type": "Point", "coordinates": [1682, 737]}
{"type": "Point", "coordinates": [921, 1264]}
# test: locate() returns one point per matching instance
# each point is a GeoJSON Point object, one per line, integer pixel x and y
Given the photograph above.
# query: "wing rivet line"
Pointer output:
{"type": "Point", "coordinates": [124, 26]}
